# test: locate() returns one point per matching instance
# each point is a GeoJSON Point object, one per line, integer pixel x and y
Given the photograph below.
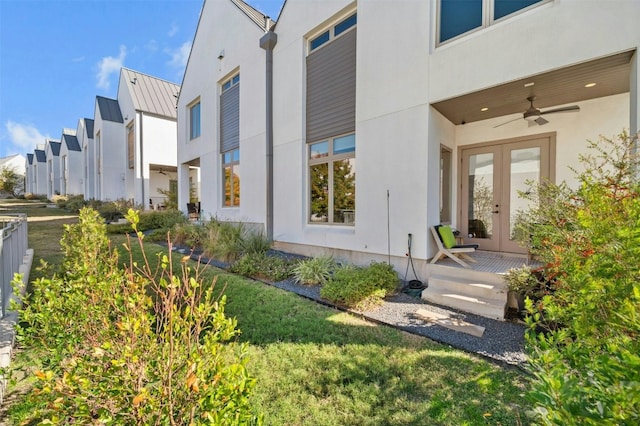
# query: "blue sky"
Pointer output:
{"type": "Point", "coordinates": [57, 55]}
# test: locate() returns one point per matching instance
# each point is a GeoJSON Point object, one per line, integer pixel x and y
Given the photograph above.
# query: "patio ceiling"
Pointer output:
{"type": "Point", "coordinates": [553, 88]}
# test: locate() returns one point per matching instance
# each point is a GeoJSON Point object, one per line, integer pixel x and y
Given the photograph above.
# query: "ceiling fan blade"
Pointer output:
{"type": "Point", "coordinates": [541, 121]}
{"type": "Point", "coordinates": [507, 122]}
{"type": "Point", "coordinates": [572, 108]}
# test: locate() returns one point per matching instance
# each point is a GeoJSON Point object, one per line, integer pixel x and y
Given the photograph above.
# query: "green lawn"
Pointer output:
{"type": "Point", "coordinates": [319, 366]}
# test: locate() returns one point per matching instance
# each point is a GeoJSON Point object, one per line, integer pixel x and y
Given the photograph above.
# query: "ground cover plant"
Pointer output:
{"type": "Point", "coordinates": [315, 365]}
{"type": "Point", "coordinates": [585, 330]}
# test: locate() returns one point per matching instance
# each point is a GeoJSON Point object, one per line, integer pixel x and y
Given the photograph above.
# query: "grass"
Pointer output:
{"type": "Point", "coordinates": [319, 366]}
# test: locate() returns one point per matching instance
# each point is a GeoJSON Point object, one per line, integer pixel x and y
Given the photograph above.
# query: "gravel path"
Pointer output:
{"type": "Point", "coordinates": [502, 341]}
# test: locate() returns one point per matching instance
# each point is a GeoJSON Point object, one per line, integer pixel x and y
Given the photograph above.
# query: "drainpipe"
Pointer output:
{"type": "Point", "coordinates": [144, 200]}
{"type": "Point", "coordinates": [268, 42]}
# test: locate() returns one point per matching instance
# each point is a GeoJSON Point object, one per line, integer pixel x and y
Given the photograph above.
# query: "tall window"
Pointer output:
{"type": "Point", "coordinates": [194, 121]}
{"type": "Point", "coordinates": [230, 139]}
{"type": "Point", "coordinates": [445, 185]}
{"type": "Point", "coordinates": [231, 178]}
{"type": "Point", "coordinates": [130, 145]}
{"type": "Point", "coordinates": [332, 180]}
{"type": "Point", "coordinates": [457, 17]}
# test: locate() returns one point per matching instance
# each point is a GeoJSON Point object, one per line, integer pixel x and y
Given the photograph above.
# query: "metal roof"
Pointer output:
{"type": "Point", "coordinates": [30, 158]}
{"type": "Point", "coordinates": [88, 123]}
{"type": "Point", "coordinates": [262, 20]}
{"type": "Point", "coordinates": [72, 142]}
{"type": "Point", "coordinates": [41, 156]}
{"type": "Point", "coordinates": [151, 94]}
{"type": "Point", "coordinates": [109, 109]}
{"type": "Point", "coordinates": [55, 147]}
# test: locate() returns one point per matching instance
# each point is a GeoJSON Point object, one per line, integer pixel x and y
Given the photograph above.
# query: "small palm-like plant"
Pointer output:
{"type": "Point", "coordinates": [317, 270]}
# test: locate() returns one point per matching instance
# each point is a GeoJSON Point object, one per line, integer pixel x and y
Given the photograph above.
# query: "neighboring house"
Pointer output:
{"type": "Point", "coordinates": [40, 181]}
{"type": "Point", "coordinates": [52, 151]}
{"type": "Point", "coordinates": [389, 117]}
{"type": "Point", "coordinates": [29, 178]}
{"type": "Point", "coordinates": [110, 152]}
{"type": "Point", "coordinates": [148, 105]}
{"type": "Point", "coordinates": [221, 115]}
{"type": "Point", "coordinates": [19, 165]}
{"type": "Point", "coordinates": [84, 134]}
{"type": "Point", "coordinates": [71, 182]}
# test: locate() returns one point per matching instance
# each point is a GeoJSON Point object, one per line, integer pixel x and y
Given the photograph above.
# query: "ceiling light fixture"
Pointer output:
{"type": "Point", "coordinates": [529, 84]}
{"type": "Point", "coordinates": [484, 109]}
{"type": "Point", "coordinates": [589, 84]}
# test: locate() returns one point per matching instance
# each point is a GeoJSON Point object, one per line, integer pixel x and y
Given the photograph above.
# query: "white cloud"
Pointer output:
{"type": "Point", "coordinates": [180, 55]}
{"type": "Point", "coordinates": [152, 46]}
{"type": "Point", "coordinates": [173, 30]}
{"type": "Point", "coordinates": [24, 136]}
{"type": "Point", "coordinates": [109, 65]}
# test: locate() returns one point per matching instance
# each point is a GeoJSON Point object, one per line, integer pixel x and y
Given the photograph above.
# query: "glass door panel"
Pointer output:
{"type": "Point", "coordinates": [525, 168]}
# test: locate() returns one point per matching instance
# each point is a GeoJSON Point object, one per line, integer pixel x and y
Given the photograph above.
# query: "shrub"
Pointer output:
{"type": "Point", "coordinates": [587, 362]}
{"type": "Point", "coordinates": [224, 240]}
{"type": "Point", "coordinates": [150, 220]}
{"type": "Point", "coordinates": [261, 265]}
{"type": "Point", "coordinates": [317, 270]}
{"type": "Point", "coordinates": [139, 345]}
{"type": "Point", "coordinates": [361, 288]}
{"type": "Point", "coordinates": [255, 242]}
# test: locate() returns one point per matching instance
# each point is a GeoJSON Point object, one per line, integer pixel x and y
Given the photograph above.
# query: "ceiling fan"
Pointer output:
{"type": "Point", "coordinates": [534, 116]}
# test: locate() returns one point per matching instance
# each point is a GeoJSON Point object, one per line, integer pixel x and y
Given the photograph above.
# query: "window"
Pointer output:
{"type": "Point", "coordinates": [194, 121]}
{"type": "Point", "coordinates": [457, 17]}
{"type": "Point", "coordinates": [130, 145]}
{"type": "Point", "coordinates": [231, 178]}
{"type": "Point", "coordinates": [333, 32]}
{"type": "Point", "coordinates": [445, 185]}
{"type": "Point", "coordinates": [332, 180]}
{"type": "Point", "coordinates": [230, 140]}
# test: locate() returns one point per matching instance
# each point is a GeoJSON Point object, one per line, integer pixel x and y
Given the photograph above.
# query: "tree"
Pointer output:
{"type": "Point", "coordinates": [10, 181]}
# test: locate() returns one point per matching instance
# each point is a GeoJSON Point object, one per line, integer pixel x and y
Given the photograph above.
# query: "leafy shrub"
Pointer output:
{"type": "Point", "coordinates": [261, 265]}
{"type": "Point", "coordinates": [586, 363]}
{"type": "Point", "coordinates": [121, 356]}
{"type": "Point", "coordinates": [317, 270]}
{"type": "Point", "coordinates": [361, 288]}
{"type": "Point", "coordinates": [190, 234]}
{"type": "Point", "coordinates": [224, 240]}
{"type": "Point", "coordinates": [149, 220]}
{"type": "Point", "coordinates": [72, 203]}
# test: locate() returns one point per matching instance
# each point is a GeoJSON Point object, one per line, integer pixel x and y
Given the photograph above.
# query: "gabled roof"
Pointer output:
{"type": "Point", "coordinates": [151, 94]}
{"type": "Point", "coordinates": [88, 123]}
{"type": "Point", "coordinates": [41, 156]}
{"type": "Point", "coordinates": [5, 160]}
{"type": "Point", "coordinates": [109, 109]}
{"type": "Point", "coordinates": [30, 158]}
{"type": "Point", "coordinates": [55, 147]}
{"type": "Point", "coordinates": [261, 20]}
{"type": "Point", "coordinates": [72, 142]}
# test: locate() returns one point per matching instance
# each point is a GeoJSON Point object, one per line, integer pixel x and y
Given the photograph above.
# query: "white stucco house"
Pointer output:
{"type": "Point", "coordinates": [52, 152]}
{"type": "Point", "coordinates": [110, 150]}
{"type": "Point", "coordinates": [84, 135]}
{"type": "Point", "coordinates": [39, 182]}
{"type": "Point", "coordinates": [29, 179]}
{"type": "Point", "coordinates": [359, 123]}
{"type": "Point", "coordinates": [71, 179]}
{"type": "Point", "coordinates": [148, 106]}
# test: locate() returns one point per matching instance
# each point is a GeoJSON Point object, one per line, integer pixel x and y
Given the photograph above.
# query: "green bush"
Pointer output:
{"type": "Point", "coordinates": [317, 270]}
{"type": "Point", "coordinates": [361, 288]}
{"type": "Point", "coordinates": [584, 336]}
{"type": "Point", "coordinates": [261, 265]}
{"type": "Point", "coordinates": [150, 220]}
{"type": "Point", "coordinates": [139, 345]}
{"type": "Point", "coordinates": [255, 242]}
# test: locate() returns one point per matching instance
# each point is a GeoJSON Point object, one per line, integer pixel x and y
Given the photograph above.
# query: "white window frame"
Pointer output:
{"type": "Point", "coordinates": [488, 9]}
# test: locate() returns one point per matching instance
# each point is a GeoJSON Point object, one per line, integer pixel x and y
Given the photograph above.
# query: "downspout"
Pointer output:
{"type": "Point", "coordinates": [144, 200]}
{"type": "Point", "coordinates": [268, 42]}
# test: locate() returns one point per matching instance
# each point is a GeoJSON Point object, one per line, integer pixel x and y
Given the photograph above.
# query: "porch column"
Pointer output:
{"type": "Point", "coordinates": [634, 99]}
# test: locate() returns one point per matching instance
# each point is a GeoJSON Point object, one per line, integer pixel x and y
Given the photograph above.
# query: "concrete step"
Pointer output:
{"type": "Point", "coordinates": [486, 307]}
{"type": "Point", "coordinates": [466, 275]}
{"type": "Point", "coordinates": [467, 287]}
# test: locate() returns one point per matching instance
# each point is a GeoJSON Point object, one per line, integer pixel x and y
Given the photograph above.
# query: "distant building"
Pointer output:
{"type": "Point", "coordinates": [70, 164]}
{"type": "Point", "coordinates": [110, 153]}
{"type": "Point", "coordinates": [52, 151]}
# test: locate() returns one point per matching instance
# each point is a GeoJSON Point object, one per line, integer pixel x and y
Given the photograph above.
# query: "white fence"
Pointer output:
{"type": "Point", "coordinates": [13, 248]}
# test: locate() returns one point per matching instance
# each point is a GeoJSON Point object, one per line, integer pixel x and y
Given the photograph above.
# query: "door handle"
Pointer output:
{"type": "Point", "coordinates": [496, 211]}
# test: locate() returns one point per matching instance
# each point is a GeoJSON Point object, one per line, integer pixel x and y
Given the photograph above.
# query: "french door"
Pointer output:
{"type": "Point", "coordinates": [492, 176]}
